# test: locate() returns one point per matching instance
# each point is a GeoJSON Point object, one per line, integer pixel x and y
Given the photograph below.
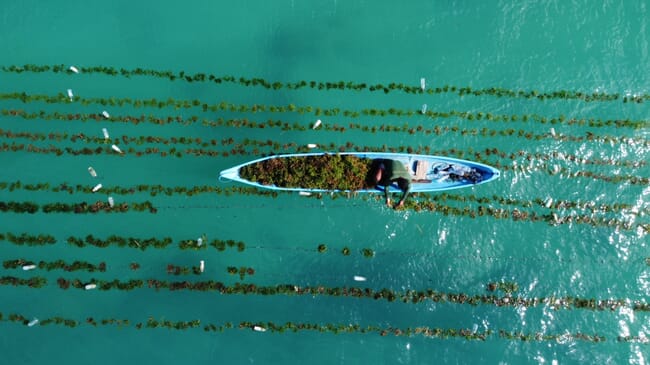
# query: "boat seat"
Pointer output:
{"type": "Point", "coordinates": [421, 170]}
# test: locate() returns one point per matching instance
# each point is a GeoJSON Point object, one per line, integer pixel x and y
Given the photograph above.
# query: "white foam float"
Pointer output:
{"type": "Point", "coordinates": [33, 322]}
{"type": "Point", "coordinates": [116, 149]}
{"type": "Point", "coordinates": [111, 202]}
{"type": "Point", "coordinates": [423, 83]}
{"type": "Point", "coordinates": [202, 266]}
{"type": "Point", "coordinates": [259, 329]}
{"type": "Point", "coordinates": [74, 69]}
{"type": "Point", "coordinates": [106, 115]}
{"type": "Point", "coordinates": [304, 193]}
{"type": "Point", "coordinates": [424, 108]}
{"type": "Point", "coordinates": [317, 124]}
{"type": "Point", "coordinates": [552, 131]}
{"type": "Point", "coordinates": [556, 169]}
{"type": "Point", "coordinates": [556, 219]}
{"type": "Point", "coordinates": [29, 267]}
{"type": "Point", "coordinates": [312, 145]}
{"type": "Point", "coordinates": [92, 171]}
{"type": "Point", "coordinates": [549, 202]}
{"type": "Point", "coordinates": [359, 278]}
{"type": "Point", "coordinates": [97, 187]}
{"type": "Point", "coordinates": [70, 94]}
{"type": "Point", "coordinates": [199, 241]}
{"type": "Point", "coordinates": [105, 133]}
{"type": "Point", "coordinates": [90, 286]}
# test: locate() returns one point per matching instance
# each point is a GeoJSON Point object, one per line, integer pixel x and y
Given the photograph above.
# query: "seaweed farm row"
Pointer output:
{"type": "Point", "coordinates": [286, 126]}
{"type": "Point", "coordinates": [231, 143]}
{"type": "Point", "coordinates": [421, 88]}
{"type": "Point", "coordinates": [323, 328]}
{"type": "Point", "coordinates": [155, 190]}
{"type": "Point", "coordinates": [408, 297]}
{"type": "Point", "coordinates": [515, 214]}
{"type": "Point", "coordinates": [220, 245]}
{"type": "Point", "coordinates": [316, 111]}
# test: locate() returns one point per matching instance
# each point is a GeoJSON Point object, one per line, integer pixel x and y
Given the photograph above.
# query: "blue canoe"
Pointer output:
{"type": "Point", "coordinates": [429, 173]}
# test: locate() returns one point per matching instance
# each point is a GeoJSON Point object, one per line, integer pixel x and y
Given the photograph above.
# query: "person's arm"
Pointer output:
{"type": "Point", "coordinates": [386, 195]}
{"type": "Point", "coordinates": [404, 194]}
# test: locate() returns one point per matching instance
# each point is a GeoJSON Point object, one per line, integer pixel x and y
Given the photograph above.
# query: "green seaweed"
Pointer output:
{"type": "Point", "coordinates": [327, 171]}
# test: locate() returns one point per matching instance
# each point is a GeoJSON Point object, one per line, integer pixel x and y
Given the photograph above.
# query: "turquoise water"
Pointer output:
{"type": "Point", "coordinates": [547, 47]}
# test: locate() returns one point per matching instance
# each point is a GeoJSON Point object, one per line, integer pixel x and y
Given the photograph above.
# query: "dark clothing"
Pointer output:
{"type": "Point", "coordinates": [394, 172]}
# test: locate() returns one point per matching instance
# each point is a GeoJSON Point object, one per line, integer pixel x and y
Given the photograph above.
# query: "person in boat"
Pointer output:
{"type": "Point", "coordinates": [385, 172]}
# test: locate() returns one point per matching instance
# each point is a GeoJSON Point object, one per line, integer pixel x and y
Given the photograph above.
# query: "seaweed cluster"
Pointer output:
{"type": "Point", "coordinates": [327, 172]}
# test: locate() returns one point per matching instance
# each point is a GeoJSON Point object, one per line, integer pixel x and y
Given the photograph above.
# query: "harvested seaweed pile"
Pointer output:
{"type": "Point", "coordinates": [328, 172]}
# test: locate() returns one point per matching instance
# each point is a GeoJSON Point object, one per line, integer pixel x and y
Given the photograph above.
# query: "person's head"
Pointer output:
{"type": "Point", "coordinates": [372, 178]}
{"type": "Point", "coordinates": [375, 173]}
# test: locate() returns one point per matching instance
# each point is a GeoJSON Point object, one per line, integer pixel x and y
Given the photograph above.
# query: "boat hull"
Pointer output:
{"type": "Point", "coordinates": [436, 177]}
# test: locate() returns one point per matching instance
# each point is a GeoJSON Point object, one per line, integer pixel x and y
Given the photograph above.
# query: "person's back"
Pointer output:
{"type": "Point", "coordinates": [386, 172]}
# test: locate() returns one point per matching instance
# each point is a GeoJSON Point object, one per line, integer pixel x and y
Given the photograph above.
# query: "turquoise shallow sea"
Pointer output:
{"type": "Point", "coordinates": [549, 264]}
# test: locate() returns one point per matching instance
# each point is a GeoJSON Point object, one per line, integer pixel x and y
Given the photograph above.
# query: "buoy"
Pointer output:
{"type": "Point", "coordinates": [359, 278]}
{"type": "Point", "coordinates": [97, 187]}
{"type": "Point", "coordinates": [304, 193]}
{"type": "Point", "coordinates": [92, 171]}
{"type": "Point", "coordinates": [70, 94]}
{"type": "Point", "coordinates": [29, 267]}
{"type": "Point", "coordinates": [259, 329]}
{"type": "Point", "coordinates": [74, 69]}
{"type": "Point", "coordinates": [116, 149]}
{"type": "Point", "coordinates": [32, 323]}
{"type": "Point", "coordinates": [202, 266]}
{"type": "Point", "coordinates": [90, 286]}
{"type": "Point", "coordinates": [423, 83]}
{"type": "Point", "coordinates": [317, 124]}
{"type": "Point", "coordinates": [556, 169]}
{"type": "Point", "coordinates": [199, 241]}
{"type": "Point", "coordinates": [424, 109]}
{"type": "Point", "coordinates": [549, 201]}
{"type": "Point", "coordinates": [105, 132]}
{"type": "Point", "coordinates": [106, 115]}
{"type": "Point", "coordinates": [111, 202]}
{"type": "Point", "coordinates": [552, 131]}
{"type": "Point", "coordinates": [312, 145]}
